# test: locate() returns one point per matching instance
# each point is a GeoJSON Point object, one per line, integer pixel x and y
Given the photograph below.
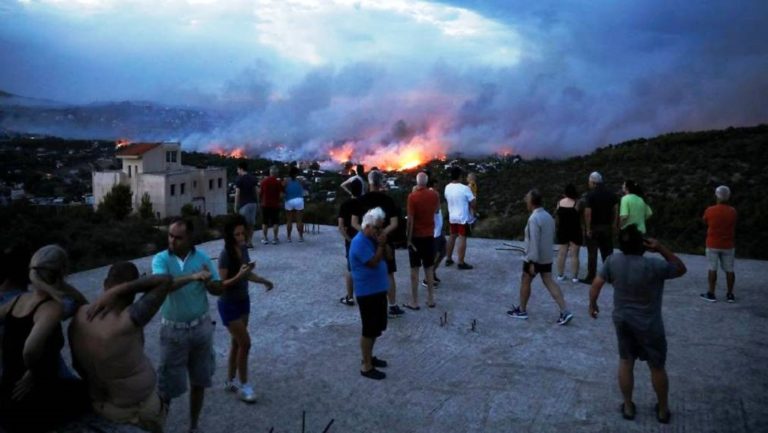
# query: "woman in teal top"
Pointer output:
{"type": "Point", "coordinates": [294, 204]}
{"type": "Point", "coordinates": [633, 209]}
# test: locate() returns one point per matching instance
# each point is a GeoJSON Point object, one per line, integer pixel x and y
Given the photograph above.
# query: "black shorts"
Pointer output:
{"type": "Point", "coordinates": [424, 254]}
{"type": "Point", "coordinates": [391, 264]}
{"type": "Point", "coordinates": [440, 247]}
{"type": "Point", "coordinates": [346, 255]}
{"type": "Point", "coordinates": [538, 268]}
{"type": "Point", "coordinates": [270, 216]}
{"type": "Point", "coordinates": [648, 345]}
{"type": "Point", "coordinates": [373, 312]}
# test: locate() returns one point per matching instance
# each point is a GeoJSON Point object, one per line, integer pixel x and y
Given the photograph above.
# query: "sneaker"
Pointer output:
{"type": "Point", "coordinates": [246, 394]}
{"type": "Point", "coordinates": [301, 239]}
{"type": "Point", "coordinates": [232, 386]}
{"type": "Point", "coordinates": [264, 242]}
{"type": "Point", "coordinates": [275, 241]}
{"type": "Point", "coordinates": [709, 297]}
{"type": "Point", "coordinates": [516, 313]}
{"type": "Point", "coordinates": [561, 278]}
{"type": "Point", "coordinates": [395, 311]}
{"type": "Point", "coordinates": [347, 301]}
{"type": "Point", "coordinates": [437, 281]}
{"type": "Point", "coordinates": [575, 280]}
{"type": "Point", "coordinates": [448, 262]}
{"type": "Point", "coordinates": [289, 240]}
{"type": "Point", "coordinates": [565, 317]}
{"type": "Point", "coordinates": [373, 374]}
{"type": "Point", "coordinates": [434, 283]}
{"type": "Point", "coordinates": [380, 363]}
{"type": "Point", "coordinates": [729, 298]}
{"type": "Point", "coordinates": [465, 266]}
{"type": "Point", "coordinates": [587, 281]}
{"type": "Point", "coordinates": [250, 246]}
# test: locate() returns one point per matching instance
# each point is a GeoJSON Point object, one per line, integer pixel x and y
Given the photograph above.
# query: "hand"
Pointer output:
{"type": "Point", "coordinates": [23, 387]}
{"type": "Point", "coordinates": [103, 305]}
{"type": "Point", "coordinates": [245, 269]}
{"type": "Point", "coordinates": [382, 239]}
{"type": "Point", "coordinates": [203, 275]}
{"type": "Point", "coordinates": [594, 310]}
{"type": "Point", "coordinates": [268, 285]}
{"type": "Point", "coordinates": [652, 245]}
{"type": "Point", "coordinates": [413, 247]}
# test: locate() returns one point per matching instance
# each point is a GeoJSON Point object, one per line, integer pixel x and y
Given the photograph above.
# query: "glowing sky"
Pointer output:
{"type": "Point", "coordinates": [546, 78]}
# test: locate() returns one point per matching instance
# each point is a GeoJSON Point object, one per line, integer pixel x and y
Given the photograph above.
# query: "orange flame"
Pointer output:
{"type": "Point", "coordinates": [396, 156]}
{"type": "Point", "coordinates": [237, 152]}
{"type": "Point", "coordinates": [121, 142]}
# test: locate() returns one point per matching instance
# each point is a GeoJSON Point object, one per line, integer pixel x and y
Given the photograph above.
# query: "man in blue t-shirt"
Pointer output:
{"type": "Point", "coordinates": [367, 254]}
{"type": "Point", "coordinates": [638, 286]}
{"type": "Point", "coordinates": [186, 334]}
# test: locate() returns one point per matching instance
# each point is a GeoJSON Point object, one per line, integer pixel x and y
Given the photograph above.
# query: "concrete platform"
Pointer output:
{"type": "Point", "coordinates": [506, 376]}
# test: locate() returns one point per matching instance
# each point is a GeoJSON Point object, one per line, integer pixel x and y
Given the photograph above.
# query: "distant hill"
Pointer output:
{"type": "Point", "coordinates": [678, 171]}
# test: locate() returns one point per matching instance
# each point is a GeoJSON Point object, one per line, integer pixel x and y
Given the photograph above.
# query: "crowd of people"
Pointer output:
{"type": "Point", "coordinates": [116, 379]}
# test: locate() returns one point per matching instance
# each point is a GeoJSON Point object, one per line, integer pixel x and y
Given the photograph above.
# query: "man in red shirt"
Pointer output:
{"type": "Point", "coordinates": [721, 223]}
{"type": "Point", "coordinates": [270, 191]}
{"type": "Point", "coordinates": [422, 205]}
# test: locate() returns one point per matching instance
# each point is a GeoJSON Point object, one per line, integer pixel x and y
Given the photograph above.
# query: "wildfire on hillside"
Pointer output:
{"type": "Point", "coordinates": [237, 152]}
{"type": "Point", "coordinates": [395, 156]}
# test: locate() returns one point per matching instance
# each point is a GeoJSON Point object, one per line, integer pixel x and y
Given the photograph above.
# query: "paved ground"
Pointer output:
{"type": "Point", "coordinates": [507, 376]}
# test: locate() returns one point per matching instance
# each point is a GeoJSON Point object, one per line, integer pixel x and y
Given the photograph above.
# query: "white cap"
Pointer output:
{"type": "Point", "coordinates": [596, 177]}
{"type": "Point", "coordinates": [723, 193]}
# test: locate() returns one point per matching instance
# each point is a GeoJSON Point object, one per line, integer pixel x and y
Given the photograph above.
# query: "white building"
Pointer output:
{"type": "Point", "coordinates": [155, 168]}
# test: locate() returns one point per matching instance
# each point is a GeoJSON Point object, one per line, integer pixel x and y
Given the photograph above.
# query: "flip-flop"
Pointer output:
{"type": "Point", "coordinates": [628, 416]}
{"type": "Point", "coordinates": [662, 420]}
{"type": "Point", "coordinates": [416, 308]}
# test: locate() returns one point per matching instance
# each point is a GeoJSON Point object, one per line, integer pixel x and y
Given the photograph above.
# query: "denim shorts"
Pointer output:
{"type": "Point", "coordinates": [249, 211]}
{"type": "Point", "coordinates": [185, 352]}
{"type": "Point", "coordinates": [722, 257]}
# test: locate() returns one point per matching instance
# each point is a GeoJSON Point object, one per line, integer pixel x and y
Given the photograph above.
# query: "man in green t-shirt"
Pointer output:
{"type": "Point", "coordinates": [633, 209]}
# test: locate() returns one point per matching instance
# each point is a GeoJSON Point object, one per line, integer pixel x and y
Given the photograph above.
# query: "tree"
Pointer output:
{"type": "Point", "coordinates": [188, 210]}
{"type": "Point", "coordinates": [145, 207]}
{"type": "Point", "coordinates": [117, 202]}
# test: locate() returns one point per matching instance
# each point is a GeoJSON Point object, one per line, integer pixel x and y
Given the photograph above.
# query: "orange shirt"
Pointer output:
{"type": "Point", "coordinates": [721, 224]}
{"type": "Point", "coordinates": [422, 205]}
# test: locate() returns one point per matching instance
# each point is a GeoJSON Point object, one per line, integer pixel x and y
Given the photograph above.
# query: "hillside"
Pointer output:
{"type": "Point", "coordinates": [678, 171]}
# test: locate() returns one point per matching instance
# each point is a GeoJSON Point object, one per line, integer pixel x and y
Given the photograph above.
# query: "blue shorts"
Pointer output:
{"type": "Point", "coordinates": [233, 310]}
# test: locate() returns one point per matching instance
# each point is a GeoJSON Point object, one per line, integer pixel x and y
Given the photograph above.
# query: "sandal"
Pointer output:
{"type": "Point", "coordinates": [416, 308]}
{"type": "Point", "coordinates": [432, 305]}
{"type": "Point", "coordinates": [659, 418]}
{"type": "Point", "coordinates": [628, 415]}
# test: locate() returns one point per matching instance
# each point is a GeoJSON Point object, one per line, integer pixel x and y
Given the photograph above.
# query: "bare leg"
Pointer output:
{"type": "Point", "coordinates": [592, 260]}
{"type": "Point", "coordinates": [730, 280]}
{"type": "Point", "coordinates": [239, 330]}
{"type": "Point", "coordinates": [275, 230]}
{"type": "Point", "coordinates": [196, 399]}
{"type": "Point", "coordinates": [575, 260]}
{"type": "Point", "coordinates": [264, 231]}
{"type": "Point", "coordinates": [561, 251]}
{"type": "Point", "coordinates": [392, 292]}
{"type": "Point", "coordinates": [430, 274]}
{"type": "Point", "coordinates": [660, 383]}
{"type": "Point", "coordinates": [627, 380]}
{"type": "Point", "coordinates": [712, 280]}
{"type": "Point", "coordinates": [414, 287]}
{"type": "Point", "coordinates": [348, 279]}
{"type": "Point", "coordinates": [449, 247]}
{"type": "Point", "coordinates": [554, 290]}
{"type": "Point", "coordinates": [289, 223]}
{"type": "Point", "coordinates": [249, 234]}
{"type": "Point", "coordinates": [525, 290]}
{"type": "Point", "coordinates": [300, 223]}
{"type": "Point", "coordinates": [232, 361]}
{"type": "Point", "coordinates": [462, 248]}
{"type": "Point", "coordinates": [366, 346]}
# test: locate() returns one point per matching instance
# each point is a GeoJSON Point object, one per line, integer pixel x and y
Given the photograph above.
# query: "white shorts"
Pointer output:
{"type": "Point", "coordinates": [294, 204]}
{"type": "Point", "coordinates": [723, 257]}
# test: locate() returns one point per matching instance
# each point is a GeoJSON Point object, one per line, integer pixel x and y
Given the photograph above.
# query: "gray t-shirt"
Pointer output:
{"type": "Point", "coordinates": [239, 291]}
{"type": "Point", "coordinates": [638, 284]}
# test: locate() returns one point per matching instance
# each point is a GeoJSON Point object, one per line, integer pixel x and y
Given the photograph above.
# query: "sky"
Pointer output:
{"type": "Point", "coordinates": [370, 79]}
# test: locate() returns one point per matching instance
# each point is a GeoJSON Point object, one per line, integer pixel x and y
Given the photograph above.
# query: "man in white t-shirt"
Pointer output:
{"type": "Point", "coordinates": [461, 209]}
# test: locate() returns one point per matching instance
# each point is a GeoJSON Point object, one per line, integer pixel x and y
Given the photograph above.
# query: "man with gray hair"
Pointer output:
{"type": "Point", "coordinates": [539, 243]}
{"type": "Point", "coordinates": [377, 198]}
{"type": "Point", "coordinates": [422, 205]}
{"type": "Point", "coordinates": [600, 220]}
{"type": "Point", "coordinates": [721, 223]}
{"type": "Point", "coordinates": [367, 255]}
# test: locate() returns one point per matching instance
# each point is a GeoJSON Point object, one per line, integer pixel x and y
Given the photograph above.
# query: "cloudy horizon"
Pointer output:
{"type": "Point", "coordinates": [305, 78]}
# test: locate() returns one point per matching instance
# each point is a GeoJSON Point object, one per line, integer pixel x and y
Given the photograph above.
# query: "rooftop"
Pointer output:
{"type": "Point", "coordinates": [505, 376]}
{"type": "Point", "coordinates": [136, 149]}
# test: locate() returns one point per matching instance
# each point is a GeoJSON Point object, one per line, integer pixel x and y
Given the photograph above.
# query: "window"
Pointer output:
{"type": "Point", "coordinates": [168, 156]}
{"type": "Point", "coordinates": [219, 182]}
{"type": "Point", "coordinates": [129, 170]}
{"type": "Point", "coordinates": [183, 186]}
{"type": "Point", "coordinates": [210, 183]}
{"type": "Point", "coordinates": [173, 156]}
{"type": "Point", "coordinates": [194, 184]}
{"type": "Point", "coordinates": [173, 189]}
